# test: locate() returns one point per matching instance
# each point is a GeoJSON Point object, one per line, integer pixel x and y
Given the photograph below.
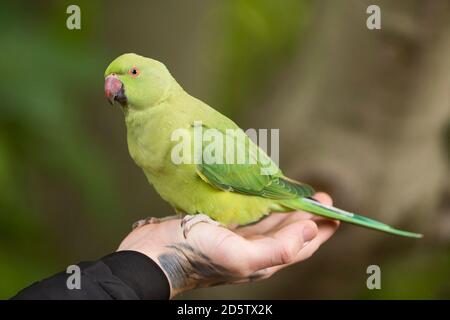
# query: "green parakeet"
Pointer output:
{"type": "Point", "coordinates": [238, 193]}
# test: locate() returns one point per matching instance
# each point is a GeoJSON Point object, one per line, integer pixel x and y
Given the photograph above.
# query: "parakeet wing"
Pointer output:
{"type": "Point", "coordinates": [258, 175]}
{"type": "Point", "coordinates": [250, 178]}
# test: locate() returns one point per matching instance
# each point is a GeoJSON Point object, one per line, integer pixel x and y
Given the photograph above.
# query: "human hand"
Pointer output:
{"type": "Point", "coordinates": [213, 255]}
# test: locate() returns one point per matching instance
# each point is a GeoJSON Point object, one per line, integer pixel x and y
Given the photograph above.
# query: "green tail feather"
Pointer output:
{"type": "Point", "coordinates": [315, 207]}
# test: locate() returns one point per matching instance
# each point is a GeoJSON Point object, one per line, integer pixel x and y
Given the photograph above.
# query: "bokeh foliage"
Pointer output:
{"type": "Point", "coordinates": [44, 144]}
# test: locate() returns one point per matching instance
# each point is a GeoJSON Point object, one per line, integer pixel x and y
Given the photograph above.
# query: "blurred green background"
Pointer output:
{"type": "Point", "coordinates": [363, 115]}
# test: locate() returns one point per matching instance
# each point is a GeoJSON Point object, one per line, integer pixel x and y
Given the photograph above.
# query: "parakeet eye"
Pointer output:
{"type": "Point", "coordinates": [134, 72]}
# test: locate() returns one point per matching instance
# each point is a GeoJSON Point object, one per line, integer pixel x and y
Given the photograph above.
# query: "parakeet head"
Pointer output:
{"type": "Point", "coordinates": [137, 82]}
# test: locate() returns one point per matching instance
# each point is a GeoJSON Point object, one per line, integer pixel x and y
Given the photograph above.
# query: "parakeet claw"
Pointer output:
{"type": "Point", "coordinates": [152, 220]}
{"type": "Point", "coordinates": [191, 220]}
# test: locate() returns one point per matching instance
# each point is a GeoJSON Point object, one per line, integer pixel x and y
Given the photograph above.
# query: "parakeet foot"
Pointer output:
{"type": "Point", "coordinates": [151, 220]}
{"type": "Point", "coordinates": [191, 220]}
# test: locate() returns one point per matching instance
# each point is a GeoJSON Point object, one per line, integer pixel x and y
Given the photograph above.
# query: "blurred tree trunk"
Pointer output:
{"type": "Point", "coordinates": [361, 115]}
{"type": "Point", "coordinates": [365, 111]}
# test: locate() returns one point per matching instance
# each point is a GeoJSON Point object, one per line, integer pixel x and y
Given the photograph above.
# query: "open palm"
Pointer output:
{"type": "Point", "coordinates": [213, 255]}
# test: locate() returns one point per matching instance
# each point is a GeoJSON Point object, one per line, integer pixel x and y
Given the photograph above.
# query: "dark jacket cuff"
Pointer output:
{"type": "Point", "coordinates": [140, 273]}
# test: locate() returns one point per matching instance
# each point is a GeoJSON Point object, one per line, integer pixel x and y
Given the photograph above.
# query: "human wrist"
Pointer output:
{"type": "Point", "coordinates": [153, 241]}
{"type": "Point", "coordinates": [139, 273]}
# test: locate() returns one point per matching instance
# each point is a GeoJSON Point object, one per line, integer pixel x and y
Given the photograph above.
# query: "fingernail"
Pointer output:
{"type": "Point", "coordinates": [308, 234]}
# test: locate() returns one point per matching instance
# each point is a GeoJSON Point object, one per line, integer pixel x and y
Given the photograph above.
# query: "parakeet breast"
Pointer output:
{"type": "Point", "coordinates": [187, 192]}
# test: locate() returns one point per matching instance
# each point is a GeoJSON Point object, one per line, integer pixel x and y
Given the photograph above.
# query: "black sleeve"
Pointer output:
{"type": "Point", "coordinates": [120, 275]}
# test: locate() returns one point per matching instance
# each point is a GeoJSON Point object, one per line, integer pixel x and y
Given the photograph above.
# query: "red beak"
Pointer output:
{"type": "Point", "coordinates": [114, 90]}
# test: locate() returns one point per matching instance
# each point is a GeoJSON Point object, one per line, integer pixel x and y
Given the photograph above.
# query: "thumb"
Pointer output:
{"type": "Point", "coordinates": [282, 247]}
